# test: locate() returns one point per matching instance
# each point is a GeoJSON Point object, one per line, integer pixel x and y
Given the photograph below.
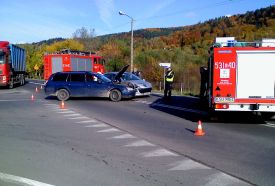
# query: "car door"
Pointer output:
{"type": "Point", "coordinates": [77, 85]}
{"type": "Point", "coordinates": [95, 86]}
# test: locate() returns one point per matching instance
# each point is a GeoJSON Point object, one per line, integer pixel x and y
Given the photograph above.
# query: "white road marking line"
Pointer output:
{"type": "Point", "coordinates": [187, 164]}
{"type": "Point", "coordinates": [89, 126]}
{"type": "Point", "coordinates": [67, 111]}
{"type": "Point", "coordinates": [223, 179]}
{"type": "Point", "coordinates": [158, 153]}
{"type": "Point", "coordinates": [269, 125]}
{"type": "Point", "coordinates": [87, 121]}
{"type": "Point", "coordinates": [20, 180]}
{"type": "Point", "coordinates": [100, 125]}
{"type": "Point", "coordinates": [124, 136]}
{"type": "Point", "coordinates": [50, 104]}
{"type": "Point", "coordinates": [109, 130]}
{"type": "Point", "coordinates": [70, 115]}
{"type": "Point", "coordinates": [140, 143]}
{"type": "Point", "coordinates": [54, 107]}
{"type": "Point", "coordinates": [15, 100]}
{"type": "Point", "coordinates": [81, 117]}
{"type": "Point", "coordinates": [36, 83]}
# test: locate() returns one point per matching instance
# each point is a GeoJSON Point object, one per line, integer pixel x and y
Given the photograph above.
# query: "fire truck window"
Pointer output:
{"type": "Point", "coordinates": [60, 77]}
{"type": "Point", "coordinates": [95, 61]}
{"type": "Point", "coordinates": [102, 62]}
{"type": "Point", "coordinates": [2, 59]}
{"type": "Point", "coordinates": [77, 77]}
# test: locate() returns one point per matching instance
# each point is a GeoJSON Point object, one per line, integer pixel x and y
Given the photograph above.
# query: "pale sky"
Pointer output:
{"type": "Point", "coordinates": [32, 21]}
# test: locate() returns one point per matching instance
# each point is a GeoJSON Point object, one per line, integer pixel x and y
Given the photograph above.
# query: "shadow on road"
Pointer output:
{"type": "Point", "coordinates": [193, 109]}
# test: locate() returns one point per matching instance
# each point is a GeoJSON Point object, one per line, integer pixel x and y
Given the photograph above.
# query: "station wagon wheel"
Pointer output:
{"type": "Point", "coordinates": [63, 95]}
{"type": "Point", "coordinates": [115, 95]}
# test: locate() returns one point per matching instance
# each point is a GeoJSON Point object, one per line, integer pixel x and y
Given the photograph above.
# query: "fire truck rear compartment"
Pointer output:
{"type": "Point", "coordinates": [255, 75]}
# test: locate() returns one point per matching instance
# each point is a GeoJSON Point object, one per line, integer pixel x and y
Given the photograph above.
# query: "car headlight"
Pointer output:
{"type": "Point", "coordinates": [132, 85]}
{"type": "Point", "coordinates": [129, 88]}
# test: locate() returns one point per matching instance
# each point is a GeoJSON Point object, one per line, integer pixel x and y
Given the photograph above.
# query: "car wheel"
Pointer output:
{"type": "Point", "coordinates": [63, 95]}
{"type": "Point", "coordinates": [115, 95]}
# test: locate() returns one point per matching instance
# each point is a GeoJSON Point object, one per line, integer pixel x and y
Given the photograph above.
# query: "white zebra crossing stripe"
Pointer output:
{"type": "Point", "coordinates": [223, 179]}
{"type": "Point", "coordinates": [158, 153]}
{"type": "Point", "coordinates": [71, 115]}
{"type": "Point", "coordinates": [99, 125]}
{"type": "Point", "coordinates": [109, 130]}
{"type": "Point", "coordinates": [124, 136]}
{"type": "Point", "coordinates": [67, 111]}
{"type": "Point", "coordinates": [140, 143]}
{"type": "Point", "coordinates": [187, 164]}
{"type": "Point", "coordinates": [87, 121]}
{"type": "Point", "coordinates": [81, 117]}
{"type": "Point", "coordinates": [20, 180]}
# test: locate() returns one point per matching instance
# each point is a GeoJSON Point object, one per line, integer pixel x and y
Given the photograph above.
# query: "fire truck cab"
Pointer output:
{"type": "Point", "coordinates": [241, 76]}
{"type": "Point", "coordinates": [72, 60]}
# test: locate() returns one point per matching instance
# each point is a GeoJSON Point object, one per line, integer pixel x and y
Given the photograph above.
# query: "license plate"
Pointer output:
{"type": "Point", "coordinates": [223, 100]}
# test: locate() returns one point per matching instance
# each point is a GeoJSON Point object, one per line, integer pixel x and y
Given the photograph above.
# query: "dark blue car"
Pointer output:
{"type": "Point", "coordinates": [64, 85]}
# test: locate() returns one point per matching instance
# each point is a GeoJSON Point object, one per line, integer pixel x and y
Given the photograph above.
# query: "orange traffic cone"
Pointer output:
{"type": "Point", "coordinates": [36, 89]}
{"type": "Point", "coordinates": [62, 105]}
{"type": "Point", "coordinates": [32, 97]}
{"type": "Point", "coordinates": [199, 131]}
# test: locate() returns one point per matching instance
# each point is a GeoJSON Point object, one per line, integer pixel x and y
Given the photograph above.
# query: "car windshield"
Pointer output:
{"type": "Point", "coordinates": [103, 78]}
{"type": "Point", "coordinates": [129, 76]}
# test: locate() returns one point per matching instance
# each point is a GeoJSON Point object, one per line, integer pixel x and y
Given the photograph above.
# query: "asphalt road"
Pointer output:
{"type": "Point", "coordinates": [144, 141]}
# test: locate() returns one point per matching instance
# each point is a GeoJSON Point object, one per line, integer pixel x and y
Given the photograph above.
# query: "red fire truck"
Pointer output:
{"type": "Point", "coordinates": [12, 64]}
{"type": "Point", "coordinates": [72, 60]}
{"type": "Point", "coordinates": [241, 76]}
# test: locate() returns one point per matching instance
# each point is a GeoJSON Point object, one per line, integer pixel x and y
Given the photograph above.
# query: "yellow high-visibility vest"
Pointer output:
{"type": "Point", "coordinates": [171, 79]}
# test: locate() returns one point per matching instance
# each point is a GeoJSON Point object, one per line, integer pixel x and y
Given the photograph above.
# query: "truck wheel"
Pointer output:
{"type": "Point", "coordinates": [11, 84]}
{"type": "Point", "coordinates": [63, 95]}
{"type": "Point", "coordinates": [115, 95]}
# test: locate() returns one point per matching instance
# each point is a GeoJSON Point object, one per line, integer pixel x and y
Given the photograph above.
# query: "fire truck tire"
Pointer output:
{"type": "Point", "coordinates": [62, 95]}
{"type": "Point", "coordinates": [115, 95]}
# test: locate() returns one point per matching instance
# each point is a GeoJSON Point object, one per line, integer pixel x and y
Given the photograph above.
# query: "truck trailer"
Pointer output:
{"type": "Point", "coordinates": [240, 77]}
{"type": "Point", "coordinates": [72, 60]}
{"type": "Point", "coordinates": [12, 64]}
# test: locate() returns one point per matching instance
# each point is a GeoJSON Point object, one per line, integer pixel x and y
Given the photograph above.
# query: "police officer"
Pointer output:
{"type": "Point", "coordinates": [169, 78]}
{"type": "Point", "coordinates": [204, 82]}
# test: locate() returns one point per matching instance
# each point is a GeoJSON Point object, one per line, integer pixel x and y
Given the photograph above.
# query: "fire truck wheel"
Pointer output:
{"type": "Point", "coordinates": [63, 95]}
{"type": "Point", "coordinates": [115, 95]}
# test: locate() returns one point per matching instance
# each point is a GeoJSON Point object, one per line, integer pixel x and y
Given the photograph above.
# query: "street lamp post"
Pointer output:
{"type": "Point", "coordinates": [132, 39]}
